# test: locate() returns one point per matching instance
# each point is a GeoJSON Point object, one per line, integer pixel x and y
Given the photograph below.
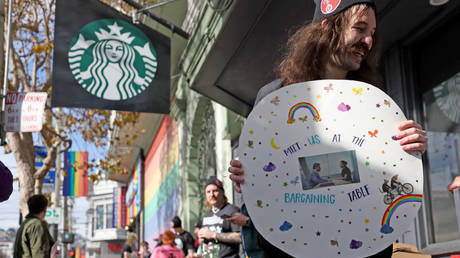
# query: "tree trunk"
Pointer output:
{"type": "Point", "coordinates": [38, 185]}
{"type": "Point", "coordinates": [21, 144]}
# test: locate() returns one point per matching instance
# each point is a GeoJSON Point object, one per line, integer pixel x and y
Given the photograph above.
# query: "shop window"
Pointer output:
{"type": "Point", "coordinates": [437, 68]}
{"type": "Point", "coordinates": [99, 216]}
{"type": "Point", "coordinates": [442, 116]}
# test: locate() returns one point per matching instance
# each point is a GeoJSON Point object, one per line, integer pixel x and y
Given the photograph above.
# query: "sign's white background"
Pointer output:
{"type": "Point", "coordinates": [353, 224]}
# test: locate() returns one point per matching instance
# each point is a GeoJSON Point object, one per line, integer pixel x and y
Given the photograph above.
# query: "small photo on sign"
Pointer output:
{"type": "Point", "coordinates": [330, 169]}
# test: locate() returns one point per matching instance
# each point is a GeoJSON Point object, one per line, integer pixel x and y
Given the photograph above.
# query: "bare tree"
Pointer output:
{"type": "Point", "coordinates": [30, 63]}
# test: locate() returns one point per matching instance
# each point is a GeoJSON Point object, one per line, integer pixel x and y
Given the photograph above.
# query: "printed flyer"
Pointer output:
{"type": "Point", "coordinates": [325, 175]}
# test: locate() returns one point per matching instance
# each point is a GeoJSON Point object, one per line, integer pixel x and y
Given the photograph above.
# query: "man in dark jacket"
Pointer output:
{"type": "Point", "coordinates": [33, 240]}
{"type": "Point", "coordinates": [185, 236]}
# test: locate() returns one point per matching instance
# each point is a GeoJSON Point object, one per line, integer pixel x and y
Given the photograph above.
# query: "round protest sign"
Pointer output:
{"type": "Point", "coordinates": [324, 174]}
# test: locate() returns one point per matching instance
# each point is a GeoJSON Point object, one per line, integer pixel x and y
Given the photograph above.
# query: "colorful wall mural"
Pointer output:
{"type": "Point", "coordinates": [161, 174]}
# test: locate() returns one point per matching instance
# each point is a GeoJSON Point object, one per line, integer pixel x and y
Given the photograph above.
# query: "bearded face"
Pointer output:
{"type": "Point", "coordinates": [356, 43]}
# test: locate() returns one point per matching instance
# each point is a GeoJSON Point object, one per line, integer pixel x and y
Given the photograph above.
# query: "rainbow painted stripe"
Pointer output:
{"type": "Point", "coordinates": [386, 228]}
{"type": "Point", "coordinates": [76, 180]}
{"type": "Point", "coordinates": [306, 105]}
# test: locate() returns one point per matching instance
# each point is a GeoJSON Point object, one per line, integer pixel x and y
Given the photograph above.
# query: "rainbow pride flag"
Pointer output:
{"type": "Point", "coordinates": [76, 180]}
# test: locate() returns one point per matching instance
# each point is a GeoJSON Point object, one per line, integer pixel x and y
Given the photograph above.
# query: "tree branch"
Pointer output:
{"type": "Point", "coordinates": [50, 157]}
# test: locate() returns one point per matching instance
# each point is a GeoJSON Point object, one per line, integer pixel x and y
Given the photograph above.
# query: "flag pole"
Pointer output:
{"type": "Point", "coordinates": [165, 23]}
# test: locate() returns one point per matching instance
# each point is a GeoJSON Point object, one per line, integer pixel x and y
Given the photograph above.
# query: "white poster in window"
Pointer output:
{"type": "Point", "coordinates": [325, 175]}
{"type": "Point", "coordinates": [24, 111]}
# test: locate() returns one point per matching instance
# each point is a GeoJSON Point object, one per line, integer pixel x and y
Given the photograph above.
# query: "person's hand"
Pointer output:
{"type": "Point", "coordinates": [237, 174]}
{"type": "Point", "coordinates": [454, 184]}
{"type": "Point", "coordinates": [206, 233]}
{"type": "Point", "coordinates": [54, 250]}
{"type": "Point", "coordinates": [238, 219]}
{"type": "Point", "coordinates": [412, 137]}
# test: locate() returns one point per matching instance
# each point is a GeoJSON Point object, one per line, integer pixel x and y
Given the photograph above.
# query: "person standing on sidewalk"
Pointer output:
{"type": "Point", "coordinates": [183, 235]}
{"type": "Point", "coordinates": [339, 43]}
{"type": "Point", "coordinates": [168, 249]}
{"type": "Point", "coordinates": [33, 239]}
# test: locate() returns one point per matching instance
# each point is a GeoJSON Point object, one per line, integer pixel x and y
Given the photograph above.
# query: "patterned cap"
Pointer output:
{"type": "Point", "coordinates": [326, 8]}
{"type": "Point", "coordinates": [214, 181]}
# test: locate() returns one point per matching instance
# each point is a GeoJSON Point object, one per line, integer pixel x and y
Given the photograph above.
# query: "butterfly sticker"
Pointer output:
{"type": "Point", "coordinates": [295, 181]}
{"type": "Point", "coordinates": [285, 226]}
{"type": "Point", "coordinates": [303, 119]}
{"type": "Point", "coordinates": [357, 91]}
{"type": "Point", "coordinates": [386, 102]}
{"type": "Point", "coordinates": [328, 88]}
{"type": "Point", "coordinates": [373, 134]}
{"type": "Point", "coordinates": [275, 101]}
{"type": "Point", "coordinates": [355, 244]}
{"type": "Point", "coordinates": [251, 144]}
{"type": "Point", "coordinates": [269, 167]}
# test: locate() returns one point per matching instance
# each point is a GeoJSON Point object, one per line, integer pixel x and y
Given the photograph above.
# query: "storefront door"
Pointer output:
{"type": "Point", "coordinates": [437, 65]}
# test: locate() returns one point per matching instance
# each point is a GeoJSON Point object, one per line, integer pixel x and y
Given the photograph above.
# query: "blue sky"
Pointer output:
{"type": "Point", "coordinates": [10, 208]}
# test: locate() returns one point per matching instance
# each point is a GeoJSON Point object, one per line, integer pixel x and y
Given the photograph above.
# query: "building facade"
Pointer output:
{"type": "Point", "coordinates": [231, 52]}
{"type": "Point", "coordinates": [104, 238]}
{"type": "Point", "coordinates": [420, 69]}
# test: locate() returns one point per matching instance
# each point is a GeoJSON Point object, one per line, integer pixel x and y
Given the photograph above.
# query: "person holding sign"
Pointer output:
{"type": "Point", "coordinates": [340, 43]}
{"type": "Point", "coordinates": [454, 184]}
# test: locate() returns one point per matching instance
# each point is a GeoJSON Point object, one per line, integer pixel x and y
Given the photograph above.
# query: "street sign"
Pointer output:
{"type": "Point", "coordinates": [53, 215]}
{"type": "Point", "coordinates": [24, 111]}
{"type": "Point", "coordinates": [50, 178]}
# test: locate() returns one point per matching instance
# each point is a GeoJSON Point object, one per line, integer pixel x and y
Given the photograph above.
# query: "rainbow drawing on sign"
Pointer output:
{"type": "Point", "coordinates": [386, 228]}
{"type": "Point", "coordinates": [306, 105]}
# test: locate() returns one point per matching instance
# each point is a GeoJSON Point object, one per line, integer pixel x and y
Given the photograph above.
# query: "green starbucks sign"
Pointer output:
{"type": "Point", "coordinates": [112, 59]}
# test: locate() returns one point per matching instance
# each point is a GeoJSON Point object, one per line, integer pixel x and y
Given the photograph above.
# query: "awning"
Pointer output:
{"type": "Point", "coordinates": [248, 45]}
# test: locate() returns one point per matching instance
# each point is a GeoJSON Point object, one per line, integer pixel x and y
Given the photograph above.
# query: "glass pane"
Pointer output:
{"type": "Point", "coordinates": [108, 215]}
{"type": "Point", "coordinates": [442, 116]}
{"type": "Point", "coordinates": [100, 217]}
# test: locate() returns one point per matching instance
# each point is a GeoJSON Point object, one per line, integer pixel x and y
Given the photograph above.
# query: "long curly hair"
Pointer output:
{"type": "Point", "coordinates": [311, 46]}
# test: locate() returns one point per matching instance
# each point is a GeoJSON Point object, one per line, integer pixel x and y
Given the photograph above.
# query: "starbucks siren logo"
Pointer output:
{"type": "Point", "coordinates": [113, 64]}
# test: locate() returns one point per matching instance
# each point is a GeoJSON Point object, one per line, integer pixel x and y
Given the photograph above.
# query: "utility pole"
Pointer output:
{"type": "Point", "coordinates": [57, 186]}
{"type": "Point", "coordinates": [5, 75]}
{"type": "Point", "coordinates": [66, 226]}
{"type": "Point", "coordinates": [2, 21]}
